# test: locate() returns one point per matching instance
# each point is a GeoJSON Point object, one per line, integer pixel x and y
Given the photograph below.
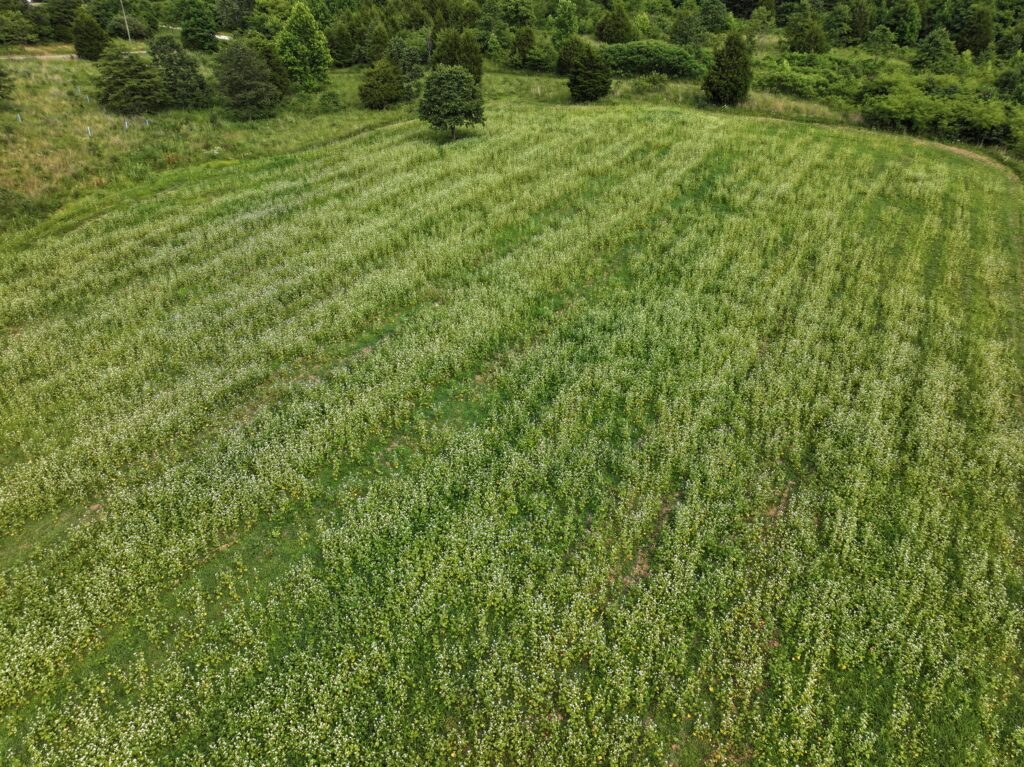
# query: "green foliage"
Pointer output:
{"type": "Point", "coordinates": [233, 14]}
{"type": "Point", "coordinates": [89, 36]}
{"type": "Point", "coordinates": [616, 26]}
{"type": "Point", "coordinates": [904, 20]}
{"type": "Point", "coordinates": [382, 86]}
{"type": "Point", "coordinates": [805, 31]}
{"type": "Point", "coordinates": [862, 19]}
{"type": "Point", "coordinates": [303, 49]}
{"type": "Point", "coordinates": [645, 56]}
{"type": "Point", "coordinates": [977, 29]}
{"type": "Point", "coordinates": [451, 99]}
{"type": "Point", "coordinates": [129, 83]}
{"type": "Point", "coordinates": [566, 22]}
{"type": "Point", "coordinates": [61, 17]}
{"type": "Point", "coordinates": [542, 56]}
{"type": "Point", "coordinates": [183, 83]}
{"type": "Point", "coordinates": [687, 24]}
{"type": "Point", "coordinates": [124, 26]}
{"type": "Point", "coordinates": [410, 53]}
{"type": "Point", "coordinates": [16, 28]}
{"type": "Point", "coordinates": [1010, 81]}
{"type": "Point", "coordinates": [6, 84]}
{"type": "Point", "coordinates": [570, 52]}
{"type": "Point", "coordinates": [937, 52]}
{"type": "Point", "coordinates": [729, 77]}
{"type": "Point", "coordinates": [341, 42]}
{"type": "Point", "coordinates": [881, 40]}
{"type": "Point", "coordinates": [246, 80]}
{"type": "Point", "coordinates": [198, 25]}
{"type": "Point", "coordinates": [459, 49]}
{"type": "Point", "coordinates": [590, 77]}
{"type": "Point", "coordinates": [838, 25]}
{"type": "Point", "coordinates": [762, 21]}
{"type": "Point", "coordinates": [714, 15]}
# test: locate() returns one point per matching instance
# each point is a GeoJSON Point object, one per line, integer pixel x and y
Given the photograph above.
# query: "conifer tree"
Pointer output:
{"type": "Point", "coordinates": [303, 49]}
{"type": "Point", "coordinates": [382, 86]}
{"type": "Point", "coordinates": [183, 83]}
{"type": "Point", "coordinates": [616, 26]}
{"type": "Point", "coordinates": [198, 26]}
{"type": "Point", "coordinates": [246, 80]}
{"type": "Point", "coordinates": [728, 80]}
{"type": "Point", "coordinates": [590, 77]}
{"type": "Point", "coordinates": [128, 83]}
{"type": "Point", "coordinates": [89, 37]}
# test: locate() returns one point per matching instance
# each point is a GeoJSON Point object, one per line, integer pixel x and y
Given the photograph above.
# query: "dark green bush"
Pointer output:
{"type": "Point", "coordinates": [129, 83]}
{"type": "Point", "coordinates": [183, 83]}
{"type": "Point", "coordinates": [590, 78]}
{"type": "Point", "coordinates": [198, 25]}
{"type": "Point", "coordinates": [645, 56]}
{"type": "Point", "coordinates": [246, 80]}
{"type": "Point", "coordinates": [382, 86]}
{"type": "Point", "coordinates": [451, 99]}
{"type": "Point", "coordinates": [615, 26]}
{"type": "Point", "coordinates": [728, 80]}
{"type": "Point", "coordinates": [89, 37]}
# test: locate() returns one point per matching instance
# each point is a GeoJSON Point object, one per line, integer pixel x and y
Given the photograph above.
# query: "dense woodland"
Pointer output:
{"type": "Point", "coordinates": [952, 70]}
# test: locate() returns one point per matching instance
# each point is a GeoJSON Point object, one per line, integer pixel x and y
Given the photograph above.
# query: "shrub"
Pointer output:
{"type": "Point", "coordinates": [61, 15]}
{"type": "Point", "coordinates": [198, 26]}
{"type": "Point", "coordinates": [89, 37]}
{"type": "Point", "coordinates": [246, 80]}
{"type": "Point", "coordinates": [459, 49]}
{"type": "Point", "coordinates": [16, 28]}
{"type": "Point", "coordinates": [451, 98]}
{"type": "Point", "coordinates": [715, 16]}
{"type": "Point", "coordinates": [728, 80]}
{"type": "Point", "coordinates": [615, 26]}
{"type": "Point", "coordinates": [382, 86]}
{"type": "Point", "coordinates": [129, 83]}
{"type": "Point", "coordinates": [937, 52]}
{"type": "Point", "coordinates": [805, 31]}
{"type": "Point", "coordinates": [590, 78]}
{"type": "Point", "coordinates": [569, 54]}
{"type": "Point", "coordinates": [183, 83]}
{"type": "Point", "coordinates": [880, 40]}
{"type": "Point", "coordinates": [645, 56]}
{"type": "Point", "coordinates": [303, 49]}
{"type": "Point", "coordinates": [651, 83]}
{"type": "Point", "coordinates": [542, 56]}
{"type": "Point", "coordinates": [341, 43]}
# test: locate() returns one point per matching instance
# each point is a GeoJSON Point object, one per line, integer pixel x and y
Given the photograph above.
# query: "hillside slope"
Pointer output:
{"type": "Point", "coordinates": [619, 435]}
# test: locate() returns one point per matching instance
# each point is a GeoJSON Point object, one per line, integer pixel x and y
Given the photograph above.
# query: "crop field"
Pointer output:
{"type": "Point", "coordinates": [613, 435]}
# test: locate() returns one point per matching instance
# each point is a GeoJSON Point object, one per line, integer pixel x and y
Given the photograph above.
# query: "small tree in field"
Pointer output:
{"type": "Point", "coordinates": [246, 80]}
{"type": "Point", "coordinates": [198, 26]}
{"type": "Point", "coordinates": [183, 83]}
{"type": "Point", "coordinates": [382, 86]}
{"type": "Point", "coordinates": [728, 81]}
{"type": "Point", "coordinates": [303, 49]}
{"type": "Point", "coordinates": [128, 83]}
{"type": "Point", "coordinates": [590, 77]}
{"type": "Point", "coordinates": [451, 98]}
{"type": "Point", "coordinates": [90, 38]}
{"type": "Point", "coordinates": [615, 26]}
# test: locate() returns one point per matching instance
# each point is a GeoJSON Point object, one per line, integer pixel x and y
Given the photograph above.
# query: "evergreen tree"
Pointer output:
{"type": "Point", "coordinates": [590, 78]}
{"type": "Point", "coordinates": [89, 37]}
{"type": "Point", "coordinates": [62, 19]}
{"type": "Point", "coordinates": [937, 52]}
{"type": "Point", "coordinates": [805, 31]}
{"type": "Point", "coordinates": [451, 99]}
{"type": "Point", "coordinates": [459, 49]}
{"type": "Point", "coordinates": [687, 24]}
{"type": "Point", "coordinates": [570, 52]}
{"type": "Point", "coordinates": [714, 16]}
{"type": "Point", "coordinates": [977, 30]}
{"type": "Point", "coordinates": [341, 42]}
{"type": "Point", "coordinates": [522, 45]}
{"type": "Point", "coordinates": [303, 49]}
{"type": "Point", "coordinates": [862, 19]}
{"type": "Point", "coordinates": [246, 81]}
{"type": "Point", "coordinates": [382, 86]}
{"type": "Point", "coordinates": [129, 83]}
{"type": "Point", "coordinates": [615, 26]}
{"type": "Point", "coordinates": [728, 80]}
{"type": "Point", "coordinates": [198, 25]}
{"type": "Point", "coordinates": [183, 83]}
{"type": "Point", "coordinates": [1010, 81]}
{"type": "Point", "coordinates": [905, 21]}
{"type": "Point", "coordinates": [233, 14]}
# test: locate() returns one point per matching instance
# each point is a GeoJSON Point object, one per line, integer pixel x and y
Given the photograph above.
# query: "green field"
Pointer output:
{"type": "Point", "coordinates": [620, 434]}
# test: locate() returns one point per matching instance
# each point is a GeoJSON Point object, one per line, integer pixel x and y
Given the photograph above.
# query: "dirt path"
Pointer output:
{"type": "Point", "coordinates": [40, 56]}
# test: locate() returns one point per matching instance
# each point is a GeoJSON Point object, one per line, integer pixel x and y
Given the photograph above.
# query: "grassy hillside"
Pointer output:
{"type": "Point", "coordinates": [622, 434]}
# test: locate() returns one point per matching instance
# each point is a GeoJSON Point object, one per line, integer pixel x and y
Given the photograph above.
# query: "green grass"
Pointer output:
{"type": "Point", "coordinates": [619, 434]}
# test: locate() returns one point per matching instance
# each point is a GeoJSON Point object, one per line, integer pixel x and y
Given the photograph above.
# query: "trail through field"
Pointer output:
{"type": "Point", "coordinates": [608, 435]}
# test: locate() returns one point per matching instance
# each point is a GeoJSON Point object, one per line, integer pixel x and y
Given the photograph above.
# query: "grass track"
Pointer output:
{"type": "Point", "coordinates": [621, 433]}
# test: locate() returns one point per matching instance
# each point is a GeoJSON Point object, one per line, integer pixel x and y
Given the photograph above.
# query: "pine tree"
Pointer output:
{"type": "Point", "coordinates": [198, 26]}
{"type": "Point", "coordinates": [451, 99]}
{"type": "Point", "coordinates": [246, 81]}
{"type": "Point", "coordinates": [382, 86]}
{"type": "Point", "coordinates": [590, 78]}
{"type": "Point", "coordinates": [183, 83]}
{"type": "Point", "coordinates": [615, 26]}
{"type": "Point", "coordinates": [303, 49]}
{"type": "Point", "coordinates": [728, 81]}
{"type": "Point", "coordinates": [129, 83]}
{"type": "Point", "coordinates": [62, 18]}
{"type": "Point", "coordinates": [90, 38]}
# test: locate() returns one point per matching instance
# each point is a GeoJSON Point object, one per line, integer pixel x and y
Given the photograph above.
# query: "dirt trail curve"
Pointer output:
{"type": "Point", "coordinates": [40, 56]}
